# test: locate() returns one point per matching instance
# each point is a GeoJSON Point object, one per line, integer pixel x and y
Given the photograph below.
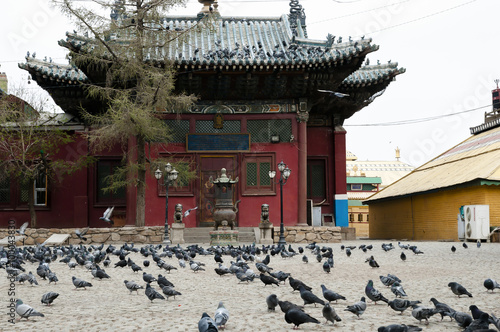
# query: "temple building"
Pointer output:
{"type": "Point", "coordinates": [267, 93]}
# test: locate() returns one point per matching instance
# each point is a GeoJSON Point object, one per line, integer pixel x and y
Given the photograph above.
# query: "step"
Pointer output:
{"type": "Point", "coordinates": [201, 234]}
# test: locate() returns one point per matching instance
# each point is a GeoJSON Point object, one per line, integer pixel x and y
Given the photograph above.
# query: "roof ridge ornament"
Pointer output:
{"type": "Point", "coordinates": [208, 8]}
{"type": "Point", "coordinates": [297, 13]}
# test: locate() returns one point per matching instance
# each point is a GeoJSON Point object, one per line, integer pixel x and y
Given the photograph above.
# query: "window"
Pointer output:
{"type": "Point", "coordinates": [262, 130]}
{"type": "Point", "coordinates": [104, 169]}
{"type": "Point", "coordinates": [255, 175]}
{"type": "Point", "coordinates": [316, 180]}
{"type": "Point", "coordinates": [351, 217]}
{"type": "Point", "coordinates": [360, 217]}
{"type": "Point", "coordinates": [5, 191]}
{"type": "Point", "coordinates": [356, 186]}
{"type": "Point", "coordinates": [367, 217]}
{"type": "Point", "coordinates": [40, 188]}
{"type": "Point", "coordinates": [14, 193]}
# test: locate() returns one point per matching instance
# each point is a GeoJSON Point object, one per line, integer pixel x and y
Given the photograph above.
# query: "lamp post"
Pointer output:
{"type": "Point", "coordinates": [169, 177]}
{"type": "Point", "coordinates": [284, 174]}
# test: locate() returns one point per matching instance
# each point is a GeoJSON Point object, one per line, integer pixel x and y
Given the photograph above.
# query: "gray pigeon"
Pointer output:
{"type": "Point", "coordinates": [25, 311]}
{"type": "Point", "coordinates": [297, 317]}
{"type": "Point", "coordinates": [420, 313]}
{"type": "Point", "coordinates": [330, 314]}
{"type": "Point", "coordinates": [458, 289]}
{"type": "Point", "coordinates": [22, 229]}
{"type": "Point", "coordinates": [132, 286]}
{"type": "Point", "coordinates": [357, 308]}
{"type": "Point", "coordinates": [374, 294]}
{"type": "Point", "coordinates": [49, 297]}
{"type": "Point", "coordinates": [221, 315]}
{"type": "Point", "coordinates": [491, 284]}
{"type": "Point", "coordinates": [330, 295]}
{"type": "Point", "coordinates": [309, 297]}
{"type": "Point", "coordinates": [463, 319]}
{"type": "Point", "coordinates": [399, 328]}
{"type": "Point", "coordinates": [401, 305]}
{"type": "Point", "coordinates": [80, 283]}
{"type": "Point", "coordinates": [81, 233]}
{"type": "Point", "coordinates": [207, 324]}
{"type": "Point", "coordinates": [287, 305]}
{"type": "Point", "coordinates": [272, 302]}
{"type": "Point", "coordinates": [480, 324]}
{"type": "Point", "coordinates": [152, 294]}
{"type": "Point", "coordinates": [398, 290]}
{"type": "Point", "coordinates": [442, 308]}
{"type": "Point", "coordinates": [170, 291]}
{"type": "Point", "coordinates": [495, 321]}
{"type": "Point", "coordinates": [107, 215]}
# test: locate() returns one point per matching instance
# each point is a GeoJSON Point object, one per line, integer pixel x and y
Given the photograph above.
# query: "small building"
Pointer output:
{"type": "Point", "coordinates": [424, 205]}
{"type": "Point", "coordinates": [360, 188]}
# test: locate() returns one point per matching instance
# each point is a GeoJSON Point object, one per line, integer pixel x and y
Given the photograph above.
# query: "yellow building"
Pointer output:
{"type": "Point", "coordinates": [424, 204]}
{"type": "Point", "coordinates": [364, 178]}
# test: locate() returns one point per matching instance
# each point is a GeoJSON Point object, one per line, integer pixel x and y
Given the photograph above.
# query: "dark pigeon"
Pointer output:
{"type": "Point", "coordinates": [298, 317]}
{"type": "Point", "coordinates": [272, 302]}
{"type": "Point", "coordinates": [49, 297]}
{"type": "Point", "coordinates": [287, 305]}
{"type": "Point", "coordinates": [330, 295]}
{"type": "Point", "coordinates": [207, 324]}
{"type": "Point", "coordinates": [152, 294]}
{"type": "Point", "coordinates": [268, 280]}
{"type": "Point", "coordinates": [458, 289]}
{"type": "Point", "coordinates": [80, 283]}
{"type": "Point", "coordinates": [491, 284]}
{"type": "Point", "coordinates": [442, 308]}
{"type": "Point", "coordinates": [399, 328]}
{"type": "Point", "coordinates": [330, 314]}
{"type": "Point", "coordinates": [423, 313]}
{"type": "Point", "coordinates": [309, 297]}
{"type": "Point", "coordinates": [296, 283]}
{"type": "Point", "coordinates": [480, 324]}
{"type": "Point", "coordinates": [401, 305]}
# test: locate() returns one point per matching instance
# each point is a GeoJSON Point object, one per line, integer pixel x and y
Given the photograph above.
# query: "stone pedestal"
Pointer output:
{"type": "Point", "coordinates": [224, 237]}
{"type": "Point", "coordinates": [177, 233]}
{"type": "Point", "coordinates": [266, 233]}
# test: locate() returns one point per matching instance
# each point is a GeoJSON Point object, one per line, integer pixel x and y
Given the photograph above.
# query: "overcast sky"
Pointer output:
{"type": "Point", "coordinates": [450, 49]}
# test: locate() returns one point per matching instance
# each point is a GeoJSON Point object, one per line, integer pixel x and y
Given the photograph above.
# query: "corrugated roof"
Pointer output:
{"type": "Point", "coordinates": [478, 157]}
{"type": "Point", "coordinates": [364, 179]}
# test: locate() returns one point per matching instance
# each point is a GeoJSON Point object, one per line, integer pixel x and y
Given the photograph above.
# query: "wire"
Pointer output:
{"type": "Point", "coordinates": [412, 121]}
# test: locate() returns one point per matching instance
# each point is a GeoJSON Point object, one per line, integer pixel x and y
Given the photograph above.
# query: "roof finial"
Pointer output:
{"type": "Point", "coordinates": [497, 81]}
{"type": "Point", "coordinates": [398, 153]}
{"type": "Point", "coordinates": [207, 6]}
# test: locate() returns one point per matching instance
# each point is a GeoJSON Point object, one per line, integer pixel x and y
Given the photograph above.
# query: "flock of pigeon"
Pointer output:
{"type": "Point", "coordinates": [95, 259]}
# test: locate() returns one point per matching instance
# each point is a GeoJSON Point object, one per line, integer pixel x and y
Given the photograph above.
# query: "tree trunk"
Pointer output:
{"type": "Point", "coordinates": [141, 183]}
{"type": "Point", "coordinates": [31, 202]}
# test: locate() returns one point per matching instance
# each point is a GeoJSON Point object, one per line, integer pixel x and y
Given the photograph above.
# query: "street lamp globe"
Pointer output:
{"type": "Point", "coordinates": [158, 174]}
{"type": "Point", "coordinates": [168, 168]}
{"type": "Point", "coordinates": [286, 173]}
{"type": "Point", "coordinates": [281, 166]}
{"type": "Point", "coordinates": [272, 174]}
{"type": "Point", "coordinates": [172, 176]}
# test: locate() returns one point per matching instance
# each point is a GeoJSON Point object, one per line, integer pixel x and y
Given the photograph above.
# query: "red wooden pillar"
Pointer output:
{"type": "Point", "coordinates": [131, 195]}
{"type": "Point", "coordinates": [302, 174]}
{"type": "Point", "coordinates": [340, 195]}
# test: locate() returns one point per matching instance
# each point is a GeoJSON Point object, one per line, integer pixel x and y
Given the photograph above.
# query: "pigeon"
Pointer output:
{"type": "Point", "coordinates": [305, 259]}
{"type": "Point", "coordinates": [398, 290]}
{"type": "Point", "coordinates": [458, 289]}
{"type": "Point", "coordinates": [453, 249]}
{"type": "Point", "coordinates": [309, 297]}
{"type": "Point", "coordinates": [480, 324]}
{"type": "Point", "coordinates": [162, 281]}
{"type": "Point", "coordinates": [195, 266]}
{"type": "Point", "coordinates": [152, 294]}
{"type": "Point", "coordinates": [495, 321]}
{"type": "Point", "coordinates": [272, 302]}
{"type": "Point", "coordinates": [478, 243]}
{"type": "Point", "coordinates": [188, 211]}
{"type": "Point", "coordinates": [403, 256]}
{"type": "Point", "coordinates": [107, 215]}
{"type": "Point", "coordinates": [52, 278]}
{"type": "Point", "coordinates": [296, 283]}
{"type": "Point", "coordinates": [357, 308]}
{"type": "Point", "coordinates": [463, 319]}
{"type": "Point", "coordinates": [49, 297]}
{"type": "Point", "coordinates": [287, 305]}
{"type": "Point", "coordinates": [298, 317]}
{"type": "Point", "coordinates": [399, 328]}
{"type": "Point", "coordinates": [374, 294]}
{"type": "Point", "coordinates": [170, 291]}
{"type": "Point", "coordinates": [80, 283]}
{"type": "Point", "coordinates": [401, 305]}
{"type": "Point", "coordinates": [442, 308]}
{"type": "Point", "coordinates": [372, 262]}
{"type": "Point", "coordinates": [100, 274]}
{"type": "Point", "coordinates": [221, 315]}
{"type": "Point", "coordinates": [334, 93]}
{"type": "Point", "coordinates": [22, 229]}
{"type": "Point", "coordinates": [387, 281]}
{"type": "Point", "coordinates": [330, 314]}
{"type": "Point", "coordinates": [132, 286]}
{"type": "Point", "coordinates": [81, 233]}
{"type": "Point", "coordinates": [148, 278]}
{"type": "Point", "coordinates": [465, 245]}
{"type": "Point", "coordinates": [268, 280]}
{"type": "Point", "coordinates": [476, 313]}
{"type": "Point", "coordinates": [25, 311]}
{"type": "Point", "coordinates": [326, 267]}
{"type": "Point", "coordinates": [330, 295]}
{"type": "Point", "coordinates": [420, 313]}
{"type": "Point", "coordinates": [491, 284]}
{"type": "Point", "coordinates": [207, 324]}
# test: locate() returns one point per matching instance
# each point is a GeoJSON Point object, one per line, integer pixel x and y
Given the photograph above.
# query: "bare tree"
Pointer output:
{"type": "Point", "coordinates": [135, 84]}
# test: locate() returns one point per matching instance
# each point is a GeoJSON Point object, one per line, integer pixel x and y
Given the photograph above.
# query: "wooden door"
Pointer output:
{"type": "Point", "coordinates": [211, 166]}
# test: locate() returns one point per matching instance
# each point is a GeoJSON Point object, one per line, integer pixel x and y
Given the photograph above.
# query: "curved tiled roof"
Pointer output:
{"type": "Point", "coordinates": [52, 71]}
{"type": "Point", "coordinates": [370, 75]}
{"type": "Point", "coordinates": [244, 41]}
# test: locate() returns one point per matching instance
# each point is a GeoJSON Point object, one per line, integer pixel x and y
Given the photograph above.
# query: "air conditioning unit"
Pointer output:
{"type": "Point", "coordinates": [477, 222]}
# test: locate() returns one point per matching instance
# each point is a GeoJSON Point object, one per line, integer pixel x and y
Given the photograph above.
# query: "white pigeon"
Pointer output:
{"type": "Point", "coordinates": [22, 229]}
{"type": "Point", "coordinates": [107, 215]}
{"type": "Point", "coordinates": [336, 94]}
{"type": "Point", "coordinates": [221, 315]}
{"type": "Point", "coordinates": [25, 311]}
{"type": "Point", "coordinates": [189, 211]}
